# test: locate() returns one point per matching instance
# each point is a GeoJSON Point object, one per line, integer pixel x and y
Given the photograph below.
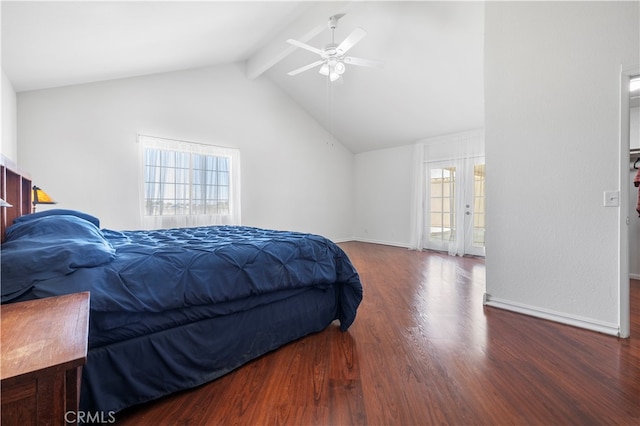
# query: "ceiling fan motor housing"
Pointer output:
{"type": "Point", "coordinates": [331, 50]}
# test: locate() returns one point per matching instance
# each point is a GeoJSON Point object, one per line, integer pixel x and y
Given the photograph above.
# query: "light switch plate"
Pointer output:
{"type": "Point", "coordinates": [611, 198]}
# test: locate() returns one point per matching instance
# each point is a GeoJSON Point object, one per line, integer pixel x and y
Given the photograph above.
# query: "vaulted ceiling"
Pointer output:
{"type": "Point", "coordinates": [431, 83]}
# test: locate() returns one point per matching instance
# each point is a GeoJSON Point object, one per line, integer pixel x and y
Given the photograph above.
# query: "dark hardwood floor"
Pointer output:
{"type": "Point", "coordinates": [424, 350]}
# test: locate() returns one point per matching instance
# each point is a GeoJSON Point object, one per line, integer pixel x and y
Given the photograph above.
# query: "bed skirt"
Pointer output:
{"type": "Point", "coordinates": [138, 370]}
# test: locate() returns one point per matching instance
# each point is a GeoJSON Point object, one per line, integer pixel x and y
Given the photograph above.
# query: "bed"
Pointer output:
{"type": "Point", "coordinates": [173, 309]}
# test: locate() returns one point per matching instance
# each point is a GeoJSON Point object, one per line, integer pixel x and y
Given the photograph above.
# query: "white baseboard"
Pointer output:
{"type": "Point", "coordinates": [563, 318]}
{"type": "Point", "coordinates": [341, 240]}
{"type": "Point", "coordinates": [634, 276]}
{"type": "Point", "coordinates": [386, 243]}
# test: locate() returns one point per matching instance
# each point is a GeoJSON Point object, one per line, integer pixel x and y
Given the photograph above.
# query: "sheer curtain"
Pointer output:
{"type": "Point", "coordinates": [417, 199]}
{"type": "Point", "coordinates": [458, 150]}
{"type": "Point", "coordinates": [175, 157]}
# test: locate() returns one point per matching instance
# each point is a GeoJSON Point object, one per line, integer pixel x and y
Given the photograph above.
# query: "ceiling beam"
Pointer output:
{"type": "Point", "coordinates": [310, 24]}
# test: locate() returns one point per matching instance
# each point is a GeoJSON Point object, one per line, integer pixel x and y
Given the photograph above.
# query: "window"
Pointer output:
{"type": "Point", "coordinates": [189, 184]}
{"type": "Point", "coordinates": [478, 205]}
{"type": "Point", "coordinates": [443, 211]}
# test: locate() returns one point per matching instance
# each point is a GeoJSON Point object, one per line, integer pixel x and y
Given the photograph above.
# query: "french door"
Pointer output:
{"type": "Point", "coordinates": [455, 207]}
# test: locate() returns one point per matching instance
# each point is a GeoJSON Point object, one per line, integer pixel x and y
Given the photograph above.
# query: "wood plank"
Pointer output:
{"type": "Point", "coordinates": [15, 188]}
{"type": "Point", "coordinates": [424, 350]}
{"type": "Point", "coordinates": [31, 333]}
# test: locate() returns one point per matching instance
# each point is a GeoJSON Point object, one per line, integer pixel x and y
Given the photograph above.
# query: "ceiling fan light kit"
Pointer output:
{"type": "Point", "coordinates": [333, 68]}
{"type": "Point", "coordinates": [332, 56]}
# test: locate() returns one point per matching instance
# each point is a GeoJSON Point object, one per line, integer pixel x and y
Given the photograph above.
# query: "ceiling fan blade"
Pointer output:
{"type": "Point", "coordinates": [305, 46]}
{"type": "Point", "coordinates": [363, 62]}
{"type": "Point", "coordinates": [306, 67]}
{"type": "Point", "coordinates": [355, 36]}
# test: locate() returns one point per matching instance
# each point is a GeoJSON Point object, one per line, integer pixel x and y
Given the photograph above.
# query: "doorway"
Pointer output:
{"type": "Point", "coordinates": [455, 207]}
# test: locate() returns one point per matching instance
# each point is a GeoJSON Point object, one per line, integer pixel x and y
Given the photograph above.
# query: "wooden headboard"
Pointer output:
{"type": "Point", "coordinates": [15, 188]}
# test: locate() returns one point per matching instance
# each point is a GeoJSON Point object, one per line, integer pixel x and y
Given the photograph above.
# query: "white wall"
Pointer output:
{"type": "Point", "coordinates": [79, 143]}
{"type": "Point", "coordinates": [383, 196]}
{"type": "Point", "coordinates": [9, 142]}
{"type": "Point", "coordinates": [552, 87]}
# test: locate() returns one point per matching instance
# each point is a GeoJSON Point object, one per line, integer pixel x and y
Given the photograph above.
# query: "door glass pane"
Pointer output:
{"type": "Point", "coordinates": [478, 205]}
{"type": "Point", "coordinates": [442, 196]}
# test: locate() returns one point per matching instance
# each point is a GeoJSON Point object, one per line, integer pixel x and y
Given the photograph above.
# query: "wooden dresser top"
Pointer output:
{"type": "Point", "coordinates": [43, 334]}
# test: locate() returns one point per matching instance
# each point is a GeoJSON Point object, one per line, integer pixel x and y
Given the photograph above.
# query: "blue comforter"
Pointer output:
{"type": "Point", "coordinates": [133, 272]}
{"type": "Point", "coordinates": [173, 309]}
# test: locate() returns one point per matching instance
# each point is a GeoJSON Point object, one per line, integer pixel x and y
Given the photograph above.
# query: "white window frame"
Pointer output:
{"type": "Point", "coordinates": [191, 219]}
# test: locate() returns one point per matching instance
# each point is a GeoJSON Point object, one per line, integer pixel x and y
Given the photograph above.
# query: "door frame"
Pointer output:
{"type": "Point", "coordinates": [623, 226]}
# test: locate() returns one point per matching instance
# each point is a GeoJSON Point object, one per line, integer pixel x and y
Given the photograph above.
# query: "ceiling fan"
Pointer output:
{"type": "Point", "coordinates": [332, 60]}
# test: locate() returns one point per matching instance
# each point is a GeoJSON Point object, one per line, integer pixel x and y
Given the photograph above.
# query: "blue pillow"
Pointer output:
{"type": "Point", "coordinates": [55, 212]}
{"type": "Point", "coordinates": [48, 247]}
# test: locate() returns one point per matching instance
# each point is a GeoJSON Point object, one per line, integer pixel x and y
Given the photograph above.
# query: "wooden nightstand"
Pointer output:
{"type": "Point", "coordinates": [44, 345]}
